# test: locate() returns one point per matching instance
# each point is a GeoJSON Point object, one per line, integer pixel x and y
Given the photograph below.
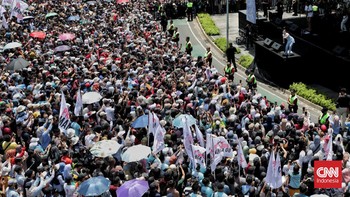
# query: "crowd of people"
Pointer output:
{"type": "Point", "coordinates": [122, 53]}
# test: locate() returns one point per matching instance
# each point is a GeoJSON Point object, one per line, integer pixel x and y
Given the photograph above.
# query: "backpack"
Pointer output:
{"type": "Point", "coordinates": [55, 180]}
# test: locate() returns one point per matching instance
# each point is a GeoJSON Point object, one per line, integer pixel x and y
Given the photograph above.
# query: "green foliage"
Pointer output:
{"type": "Point", "coordinates": [245, 60]}
{"type": "Point", "coordinates": [221, 43]}
{"type": "Point", "coordinates": [208, 24]}
{"type": "Point", "coordinates": [312, 95]}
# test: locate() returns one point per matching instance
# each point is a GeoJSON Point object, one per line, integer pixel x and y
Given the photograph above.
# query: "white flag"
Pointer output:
{"type": "Point", "coordinates": [188, 139]}
{"type": "Point", "coordinates": [198, 155]}
{"type": "Point", "coordinates": [158, 143]}
{"type": "Point", "coordinates": [153, 122]}
{"type": "Point", "coordinates": [64, 119]}
{"type": "Point", "coordinates": [78, 104]}
{"type": "Point", "coordinates": [241, 159]}
{"type": "Point", "coordinates": [221, 145]}
{"type": "Point", "coordinates": [251, 11]}
{"type": "Point", "coordinates": [7, 2]}
{"type": "Point", "coordinates": [199, 136]}
{"type": "Point", "coordinates": [4, 22]}
{"type": "Point", "coordinates": [18, 8]}
{"type": "Point", "coordinates": [209, 145]}
{"type": "Point", "coordinates": [221, 149]}
{"type": "Point", "coordinates": [274, 172]}
{"type": "Point", "coordinates": [329, 149]}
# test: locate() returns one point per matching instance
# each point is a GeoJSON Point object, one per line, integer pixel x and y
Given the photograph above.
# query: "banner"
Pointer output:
{"type": "Point", "coordinates": [198, 156]}
{"type": "Point", "coordinates": [274, 172]}
{"type": "Point", "coordinates": [64, 119]}
{"type": "Point", "coordinates": [251, 11]}
{"type": "Point", "coordinates": [158, 143]}
{"type": "Point", "coordinates": [241, 159]}
{"type": "Point", "coordinates": [18, 8]}
{"type": "Point", "coordinates": [78, 108]}
{"type": "Point", "coordinates": [188, 139]}
{"type": "Point", "coordinates": [153, 122]}
{"type": "Point", "coordinates": [221, 145]}
{"type": "Point", "coordinates": [199, 136]}
{"type": "Point", "coordinates": [221, 149]}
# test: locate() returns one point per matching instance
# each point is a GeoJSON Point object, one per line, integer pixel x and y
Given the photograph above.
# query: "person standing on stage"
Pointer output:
{"type": "Point", "coordinates": [289, 44]}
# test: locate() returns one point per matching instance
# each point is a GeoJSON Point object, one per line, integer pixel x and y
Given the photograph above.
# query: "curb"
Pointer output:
{"type": "Point", "coordinates": [283, 91]}
{"type": "Point", "coordinates": [209, 38]}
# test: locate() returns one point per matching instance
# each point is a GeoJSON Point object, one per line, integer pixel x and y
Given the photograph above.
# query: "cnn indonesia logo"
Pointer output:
{"type": "Point", "coordinates": [328, 174]}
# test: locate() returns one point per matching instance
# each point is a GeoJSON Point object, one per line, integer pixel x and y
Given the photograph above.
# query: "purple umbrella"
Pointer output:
{"type": "Point", "coordinates": [62, 48]}
{"type": "Point", "coordinates": [134, 188]}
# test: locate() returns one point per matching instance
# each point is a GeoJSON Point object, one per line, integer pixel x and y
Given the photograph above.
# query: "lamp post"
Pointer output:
{"type": "Point", "coordinates": [227, 23]}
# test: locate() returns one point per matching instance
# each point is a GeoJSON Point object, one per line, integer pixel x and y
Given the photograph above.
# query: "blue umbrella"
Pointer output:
{"type": "Point", "coordinates": [94, 186]}
{"type": "Point", "coordinates": [140, 122]}
{"type": "Point", "coordinates": [73, 18]}
{"type": "Point", "coordinates": [177, 122]}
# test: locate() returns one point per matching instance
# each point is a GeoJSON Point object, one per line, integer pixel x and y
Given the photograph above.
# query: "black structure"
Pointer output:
{"type": "Point", "coordinates": [319, 57]}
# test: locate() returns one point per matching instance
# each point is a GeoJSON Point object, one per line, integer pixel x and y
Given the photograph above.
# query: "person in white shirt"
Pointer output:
{"type": "Point", "coordinates": [69, 188]}
{"type": "Point", "coordinates": [309, 14]}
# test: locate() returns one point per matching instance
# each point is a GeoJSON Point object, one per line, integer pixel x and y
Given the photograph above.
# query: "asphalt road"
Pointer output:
{"type": "Point", "coordinates": [200, 42]}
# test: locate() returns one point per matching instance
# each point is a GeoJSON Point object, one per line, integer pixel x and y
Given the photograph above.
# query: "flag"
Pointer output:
{"type": "Point", "coordinates": [153, 122]}
{"type": "Point", "coordinates": [4, 22]}
{"type": "Point", "coordinates": [18, 8]}
{"type": "Point", "coordinates": [208, 73]}
{"type": "Point", "coordinates": [158, 143]}
{"type": "Point", "coordinates": [78, 108]}
{"type": "Point", "coordinates": [188, 139]}
{"type": "Point", "coordinates": [241, 159]}
{"type": "Point", "coordinates": [198, 155]}
{"type": "Point", "coordinates": [199, 136]}
{"type": "Point", "coordinates": [329, 149]}
{"type": "Point", "coordinates": [64, 120]}
{"type": "Point", "coordinates": [180, 157]}
{"type": "Point", "coordinates": [222, 145]}
{"type": "Point", "coordinates": [221, 149]}
{"type": "Point", "coordinates": [274, 173]}
{"type": "Point", "coordinates": [6, 2]}
{"type": "Point", "coordinates": [209, 144]}
{"type": "Point", "coordinates": [251, 11]}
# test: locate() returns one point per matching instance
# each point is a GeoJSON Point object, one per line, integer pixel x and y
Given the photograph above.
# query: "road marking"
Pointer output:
{"type": "Point", "coordinates": [310, 108]}
{"type": "Point", "coordinates": [224, 64]}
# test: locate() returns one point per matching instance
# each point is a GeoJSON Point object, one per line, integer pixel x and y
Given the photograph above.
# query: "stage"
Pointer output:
{"type": "Point", "coordinates": [320, 56]}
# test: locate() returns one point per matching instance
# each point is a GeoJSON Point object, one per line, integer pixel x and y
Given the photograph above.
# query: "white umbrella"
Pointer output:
{"type": "Point", "coordinates": [105, 148]}
{"type": "Point", "coordinates": [91, 97]}
{"type": "Point", "coordinates": [12, 45]}
{"type": "Point", "coordinates": [136, 153]}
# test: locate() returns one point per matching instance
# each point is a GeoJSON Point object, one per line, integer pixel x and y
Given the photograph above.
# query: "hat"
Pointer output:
{"type": "Point", "coordinates": [102, 113]}
{"type": "Point", "coordinates": [34, 139]}
{"type": "Point", "coordinates": [20, 108]}
{"type": "Point", "coordinates": [74, 140]}
{"type": "Point", "coordinates": [12, 182]}
{"type": "Point", "coordinates": [252, 151]}
{"type": "Point", "coordinates": [70, 133]}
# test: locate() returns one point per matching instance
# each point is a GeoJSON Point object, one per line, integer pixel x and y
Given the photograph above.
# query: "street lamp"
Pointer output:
{"type": "Point", "coordinates": [227, 22]}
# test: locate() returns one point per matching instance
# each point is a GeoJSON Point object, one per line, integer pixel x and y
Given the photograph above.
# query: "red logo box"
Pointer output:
{"type": "Point", "coordinates": [328, 174]}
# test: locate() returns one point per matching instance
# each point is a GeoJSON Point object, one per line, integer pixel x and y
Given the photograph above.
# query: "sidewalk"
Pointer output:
{"type": "Point", "coordinates": [220, 21]}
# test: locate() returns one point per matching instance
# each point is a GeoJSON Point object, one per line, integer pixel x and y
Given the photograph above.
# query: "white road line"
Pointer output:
{"type": "Point", "coordinates": [224, 64]}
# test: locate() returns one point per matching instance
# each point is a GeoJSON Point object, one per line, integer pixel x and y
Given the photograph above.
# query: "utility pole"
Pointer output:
{"type": "Point", "coordinates": [227, 23]}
